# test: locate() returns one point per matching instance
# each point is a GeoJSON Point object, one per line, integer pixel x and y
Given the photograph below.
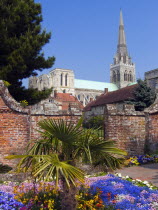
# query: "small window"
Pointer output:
{"type": "Point", "coordinates": [125, 76]}
{"type": "Point", "coordinates": [61, 79]}
{"type": "Point", "coordinates": [114, 76]}
{"type": "Point", "coordinates": [66, 79]}
{"type": "Point", "coordinates": [130, 76]}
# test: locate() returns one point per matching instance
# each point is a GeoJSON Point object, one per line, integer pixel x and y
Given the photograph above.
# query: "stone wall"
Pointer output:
{"type": "Point", "coordinates": [152, 79]}
{"type": "Point", "coordinates": [94, 111]}
{"type": "Point", "coordinates": [125, 126]}
{"type": "Point", "coordinates": [18, 125]}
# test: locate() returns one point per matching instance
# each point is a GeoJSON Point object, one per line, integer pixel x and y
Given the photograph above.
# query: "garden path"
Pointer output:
{"type": "Point", "coordinates": [148, 172]}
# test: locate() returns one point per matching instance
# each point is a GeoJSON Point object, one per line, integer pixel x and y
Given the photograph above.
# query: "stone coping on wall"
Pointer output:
{"type": "Point", "coordinates": [153, 109]}
{"type": "Point", "coordinates": [10, 101]}
{"type": "Point", "coordinates": [37, 109]}
{"type": "Point", "coordinates": [122, 109]}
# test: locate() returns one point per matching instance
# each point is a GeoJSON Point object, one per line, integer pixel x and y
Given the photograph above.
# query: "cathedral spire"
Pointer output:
{"type": "Point", "coordinates": [121, 47]}
{"type": "Point", "coordinates": [122, 71]}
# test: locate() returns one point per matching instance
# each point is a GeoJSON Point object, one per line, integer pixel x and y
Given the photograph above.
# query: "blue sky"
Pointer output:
{"type": "Point", "coordinates": [85, 35]}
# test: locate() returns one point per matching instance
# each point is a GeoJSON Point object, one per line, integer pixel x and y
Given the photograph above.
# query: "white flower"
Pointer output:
{"type": "Point", "coordinates": [138, 180]}
{"type": "Point", "coordinates": [119, 175]}
{"type": "Point", "coordinates": [127, 177]}
{"type": "Point", "coordinates": [146, 182]}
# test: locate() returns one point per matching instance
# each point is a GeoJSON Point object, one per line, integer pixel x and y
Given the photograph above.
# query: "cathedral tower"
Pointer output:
{"type": "Point", "coordinates": [122, 71]}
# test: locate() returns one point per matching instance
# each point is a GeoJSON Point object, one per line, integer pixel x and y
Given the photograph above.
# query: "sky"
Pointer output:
{"type": "Point", "coordinates": [85, 35]}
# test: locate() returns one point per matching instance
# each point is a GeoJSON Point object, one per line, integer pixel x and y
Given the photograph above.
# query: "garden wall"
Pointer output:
{"type": "Point", "coordinates": [18, 125]}
{"type": "Point", "coordinates": [133, 131]}
{"type": "Point", "coordinates": [125, 126]}
{"type": "Point", "coordinates": [152, 127]}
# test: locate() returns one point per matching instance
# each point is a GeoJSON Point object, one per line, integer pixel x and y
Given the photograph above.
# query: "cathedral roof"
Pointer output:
{"type": "Point", "coordinates": [87, 84]}
{"type": "Point", "coordinates": [117, 96]}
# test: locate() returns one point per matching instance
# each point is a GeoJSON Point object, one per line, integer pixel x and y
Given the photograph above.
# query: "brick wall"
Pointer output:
{"type": "Point", "coordinates": [130, 129]}
{"type": "Point", "coordinates": [125, 126]}
{"type": "Point", "coordinates": [36, 118]}
{"type": "Point", "coordinates": [152, 127]}
{"type": "Point", "coordinates": [153, 132]}
{"type": "Point", "coordinates": [18, 125]}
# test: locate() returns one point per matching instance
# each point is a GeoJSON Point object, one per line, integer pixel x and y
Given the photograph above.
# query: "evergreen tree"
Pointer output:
{"type": "Point", "coordinates": [21, 42]}
{"type": "Point", "coordinates": [144, 96]}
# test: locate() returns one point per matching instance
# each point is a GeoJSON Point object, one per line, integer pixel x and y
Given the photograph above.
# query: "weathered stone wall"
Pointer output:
{"type": "Point", "coordinates": [94, 111]}
{"type": "Point", "coordinates": [152, 79]}
{"type": "Point", "coordinates": [125, 126]}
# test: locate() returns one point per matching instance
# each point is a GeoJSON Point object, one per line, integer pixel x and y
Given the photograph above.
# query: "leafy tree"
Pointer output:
{"type": "Point", "coordinates": [144, 96]}
{"type": "Point", "coordinates": [61, 146]}
{"type": "Point", "coordinates": [21, 41]}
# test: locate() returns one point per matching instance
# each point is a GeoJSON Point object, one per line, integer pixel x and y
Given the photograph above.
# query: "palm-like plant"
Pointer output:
{"type": "Point", "coordinates": [54, 155]}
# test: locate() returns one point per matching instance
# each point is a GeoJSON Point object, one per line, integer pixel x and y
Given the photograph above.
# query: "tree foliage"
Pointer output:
{"type": "Point", "coordinates": [94, 122]}
{"type": "Point", "coordinates": [21, 41]}
{"type": "Point", "coordinates": [144, 96]}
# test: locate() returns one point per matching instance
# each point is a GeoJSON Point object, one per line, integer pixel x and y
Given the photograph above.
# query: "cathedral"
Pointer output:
{"type": "Point", "coordinates": [122, 74]}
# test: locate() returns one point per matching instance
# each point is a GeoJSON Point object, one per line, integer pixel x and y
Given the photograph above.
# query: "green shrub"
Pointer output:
{"type": "Point", "coordinates": [94, 122]}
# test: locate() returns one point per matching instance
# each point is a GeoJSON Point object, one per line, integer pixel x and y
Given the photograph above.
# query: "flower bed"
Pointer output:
{"type": "Point", "coordinates": [7, 202]}
{"type": "Point", "coordinates": [123, 194]}
{"type": "Point", "coordinates": [111, 191]}
{"type": "Point", "coordinates": [141, 159]}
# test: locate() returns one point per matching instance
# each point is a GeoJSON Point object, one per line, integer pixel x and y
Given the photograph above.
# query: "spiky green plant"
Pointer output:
{"type": "Point", "coordinates": [60, 146]}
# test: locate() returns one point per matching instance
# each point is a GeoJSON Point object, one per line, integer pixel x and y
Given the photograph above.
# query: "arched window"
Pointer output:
{"type": "Point", "coordinates": [130, 76]}
{"type": "Point", "coordinates": [66, 79]}
{"type": "Point", "coordinates": [114, 76]}
{"type": "Point", "coordinates": [64, 91]}
{"type": "Point", "coordinates": [118, 76]}
{"type": "Point", "coordinates": [61, 79]}
{"type": "Point", "coordinates": [124, 59]}
{"type": "Point", "coordinates": [125, 76]}
{"type": "Point", "coordinates": [79, 97]}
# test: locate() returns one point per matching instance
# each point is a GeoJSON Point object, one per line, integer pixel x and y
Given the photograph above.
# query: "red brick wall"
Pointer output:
{"type": "Point", "coordinates": [130, 129]}
{"type": "Point", "coordinates": [126, 128]}
{"type": "Point", "coordinates": [36, 118]}
{"type": "Point", "coordinates": [18, 126]}
{"type": "Point", "coordinates": [14, 132]}
{"type": "Point", "coordinates": [16, 129]}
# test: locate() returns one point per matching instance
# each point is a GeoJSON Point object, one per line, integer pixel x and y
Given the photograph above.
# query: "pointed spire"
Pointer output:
{"type": "Point", "coordinates": [121, 18]}
{"type": "Point", "coordinates": [121, 47]}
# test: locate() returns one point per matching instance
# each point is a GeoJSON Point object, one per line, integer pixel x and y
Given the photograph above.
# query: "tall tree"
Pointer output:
{"type": "Point", "coordinates": [21, 41]}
